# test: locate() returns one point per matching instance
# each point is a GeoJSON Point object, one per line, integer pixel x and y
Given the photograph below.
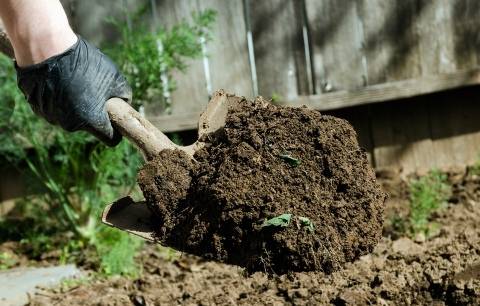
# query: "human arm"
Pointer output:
{"type": "Point", "coordinates": [38, 29]}
{"type": "Point", "coordinates": [65, 79]}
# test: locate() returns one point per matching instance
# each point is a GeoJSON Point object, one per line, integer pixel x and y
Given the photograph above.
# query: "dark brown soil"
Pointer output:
{"type": "Point", "coordinates": [444, 270]}
{"type": "Point", "coordinates": [266, 162]}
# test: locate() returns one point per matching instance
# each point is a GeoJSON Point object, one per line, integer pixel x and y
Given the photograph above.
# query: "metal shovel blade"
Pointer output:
{"type": "Point", "coordinates": [130, 216]}
{"type": "Point", "coordinates": [127, 215]}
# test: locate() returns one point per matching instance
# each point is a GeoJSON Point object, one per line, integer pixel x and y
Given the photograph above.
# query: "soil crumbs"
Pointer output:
{"type": "Point", "coordinates": [444, 270]}
{"type": "Point", "coordinates": [278, 189]}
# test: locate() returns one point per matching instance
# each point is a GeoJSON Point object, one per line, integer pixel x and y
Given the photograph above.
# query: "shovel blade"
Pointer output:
{"type": "Point", "coordinates": [130, 216]}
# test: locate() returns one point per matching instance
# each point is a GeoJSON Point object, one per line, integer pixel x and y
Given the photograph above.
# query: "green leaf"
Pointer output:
{"type": "Point", "coordinates": [292, 161]}
{"type": "Point", "coordinates": [305, 222]}
{"type": "Point", "coordinates": [279, 221]}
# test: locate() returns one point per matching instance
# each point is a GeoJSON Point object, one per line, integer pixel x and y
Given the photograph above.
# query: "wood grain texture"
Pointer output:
{"type": "Point", "coordinates": [337, 45]}
{"type": "Point", "coordinates": [455, 130]}
{"type": "Point", "coordinates": [401, 134]}
{"type": "Point", "coordinates": [391, 40]}
{"type": "Point", "coordinates": [228, 51]}
{"type": "Point", "coordinates": [191, 94]}
{"type": "Point", "coordinates": [436, 42]}
{"type": "Point", "coordinates": [89, 18]}
{"type": "Point", "coordinates": [466, 22]}
{"type": "Point", "coordinates": [389, 91]}
{"type": "Point", "coordinates": [277, 35]}
{"type": "Point", "coordinates": [336, 100]}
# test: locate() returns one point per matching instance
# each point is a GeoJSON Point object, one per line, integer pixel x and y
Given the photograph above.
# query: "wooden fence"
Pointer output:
{"type": "Point", "coordinates": [342, 57]}
{"type": "Point", "coordinates": [329, 55]}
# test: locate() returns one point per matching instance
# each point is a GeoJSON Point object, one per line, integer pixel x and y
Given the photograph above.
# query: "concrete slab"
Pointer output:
{"type": "Point", "coordinates": [16, 284]}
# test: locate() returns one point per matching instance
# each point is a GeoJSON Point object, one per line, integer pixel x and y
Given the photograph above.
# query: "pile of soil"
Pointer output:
{"type": "Point", "coordinates": [277, 189]}
{"type": "Point", "coordinates": [444, 270]}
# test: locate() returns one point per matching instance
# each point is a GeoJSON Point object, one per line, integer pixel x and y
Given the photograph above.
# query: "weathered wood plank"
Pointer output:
{"type": "Point", "coordinates": [437, 52]}
{"type": "Point", "coordinates": [89, 18]}
{"type": "Point", "coordinates": [389, 91]}
{"type": "Point", "coordinates": [277, 40]}
{"type": "Point", "coordinates": [336, 100]}
{"type": "Point", "coordinates": [391, 40]}
{"type": "Point", "coordinates": [400, 132]}
{"type": "Point", "coordinates": [175, 123]}
{"type": "Point", "coordinates": [466, 17]}
{"type": "Point", "coordinates": [228, 51]}
{"type": "Point", "coordinates": [401, 135]}
{"type": "Point", "coordinates": [191, 94]}
{"type": "Point", "coordinates": [455, 126]}
{"type": "Point", "coordinates": [337, 45]}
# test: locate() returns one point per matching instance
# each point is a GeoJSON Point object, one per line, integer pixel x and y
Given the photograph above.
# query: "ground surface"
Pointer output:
{"type": "Point", "coordinates": [269, 161]}
{"type": "Point", "coordinates": [444, 270]}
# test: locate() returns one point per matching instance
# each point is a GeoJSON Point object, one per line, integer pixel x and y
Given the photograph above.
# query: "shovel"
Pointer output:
{"type": "Point", "coordinates": [135, 217]}
{"type": "Point", "coordinates": [126, 214]}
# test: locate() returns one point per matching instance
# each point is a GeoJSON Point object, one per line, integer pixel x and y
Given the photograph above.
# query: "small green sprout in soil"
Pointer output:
{"type": "Point", "coordinates": [280, 221]}
{"type": "Point", "coordinates": [292, 161]}
{"type": "Point", "coordinates": [284, 221]}
{"type": "Point", "coordinates": [305, 222]}
{"type": "Point", "coordinates": [427, 195]}
{"type": "Point", "coordinates": [276, 98]}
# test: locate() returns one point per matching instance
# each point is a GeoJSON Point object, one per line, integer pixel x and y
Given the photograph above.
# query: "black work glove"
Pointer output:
{"type": "Point", "coordinates": [70, 90]}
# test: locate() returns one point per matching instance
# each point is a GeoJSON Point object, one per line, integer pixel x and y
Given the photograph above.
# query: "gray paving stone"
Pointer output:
{"type": "Point", "coordinates": [16, 284]}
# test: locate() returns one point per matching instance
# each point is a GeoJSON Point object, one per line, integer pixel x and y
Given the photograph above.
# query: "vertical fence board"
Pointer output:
{"type": "Point", "coordinates": [89, 18]}
{"type": "Point", "coordinates": [401, 136]}
{"type": "Point", "coordinates": [391, 41]}
{"type": "Point", "coordinates": [336, 39]}
{"type": "Point", "coordinates": [455, 129]}
{"type": "Point", "coordinates": [228, 51]}
{"type": "Point", "coordinates": [191, 94]}
{"type": "Point", "coordinates": [401, 132]}
{"type": "Point", "coordinates": [277, 39]}
{"type": "Point", "coordinates": [436, 51]}
{"type": "Point", "coordinates": [466, 16]}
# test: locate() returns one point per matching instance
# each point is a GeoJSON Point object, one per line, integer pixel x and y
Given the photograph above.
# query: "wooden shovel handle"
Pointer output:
{"type": "Point", "coordinates": [124, 118]}
{"type": "Point", "coordinates": [137, 129]}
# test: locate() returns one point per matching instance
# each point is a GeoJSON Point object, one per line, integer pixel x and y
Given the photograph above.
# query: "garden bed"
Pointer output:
{"type": "Point", "coordinates": [444, 269]}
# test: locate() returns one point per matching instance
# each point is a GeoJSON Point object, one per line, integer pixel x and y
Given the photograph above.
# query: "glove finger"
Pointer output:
{"type": "Point", "coordinates": [103, 130]}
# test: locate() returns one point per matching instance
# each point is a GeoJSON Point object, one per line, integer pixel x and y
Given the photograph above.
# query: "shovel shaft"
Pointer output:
{"type": "Point", "coordinates": [137, 128]}
{"type": "Point", "coordinates": [124, 118]}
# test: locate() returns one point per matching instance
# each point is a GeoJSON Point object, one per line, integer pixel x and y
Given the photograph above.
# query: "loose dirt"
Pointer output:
{"type": "Point", "coordinates": [278, 189]}
{"type": "Point", "coordinates": [444, 270]}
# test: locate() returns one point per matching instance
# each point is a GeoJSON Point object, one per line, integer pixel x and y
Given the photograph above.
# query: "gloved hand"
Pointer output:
{"type": "Point", "coordinates": [70, 90]}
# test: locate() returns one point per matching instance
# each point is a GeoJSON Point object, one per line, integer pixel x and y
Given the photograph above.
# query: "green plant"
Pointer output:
{"type": "Point", "coordinates": [289, 159]}
{"type": "Point", "coordinates": [72, 176]}
{"type": "Point", "coordinates": [145, 56]}
{"type": "Point", "coordinates": [307, 223]}
{"type": "Point", "coordinates": [279, 221]}
{"type": "Point", "coordinates": [276, 98]}
{"type": "Point", "coordinates": [427, 194]}
{"type": "Point", "coordinates": [117, 252]}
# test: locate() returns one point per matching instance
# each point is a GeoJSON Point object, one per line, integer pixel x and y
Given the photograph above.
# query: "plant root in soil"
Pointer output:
{"type": "Point", "coordinates": [278, 189]}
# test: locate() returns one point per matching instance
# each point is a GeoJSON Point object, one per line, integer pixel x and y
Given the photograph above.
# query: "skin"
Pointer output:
{"type": "Point", "coordinates": [38, 29]}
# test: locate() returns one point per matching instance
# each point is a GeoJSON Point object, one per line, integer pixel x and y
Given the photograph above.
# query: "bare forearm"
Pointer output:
{"type": "Point", "coordinates": [38, 29]}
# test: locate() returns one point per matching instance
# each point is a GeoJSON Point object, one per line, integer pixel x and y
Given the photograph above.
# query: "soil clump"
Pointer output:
{"type": "Point", "coordinates": [278, 189]}
{"type": "Point", "coordinates": [443, 270]}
